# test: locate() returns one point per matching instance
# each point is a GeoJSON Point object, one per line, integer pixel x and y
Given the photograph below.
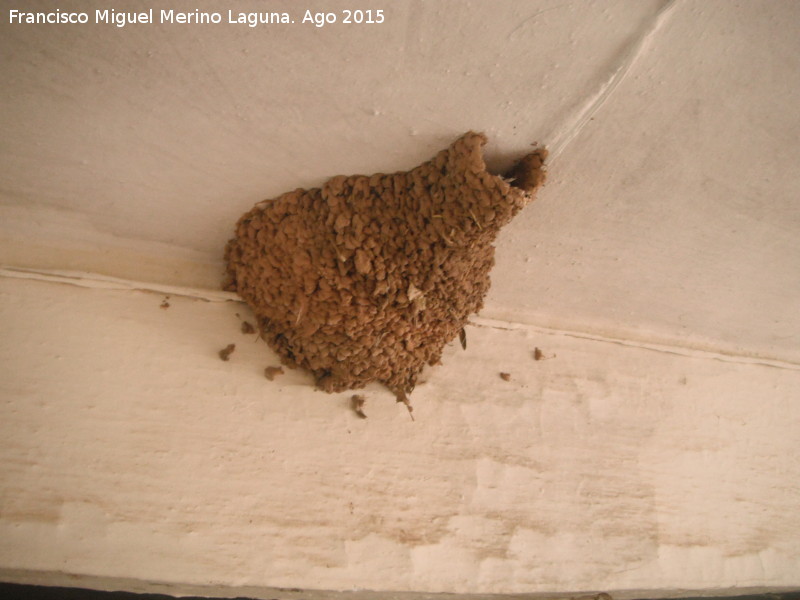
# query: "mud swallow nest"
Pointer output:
{"type": "Point", "coordinates": [367, 278]}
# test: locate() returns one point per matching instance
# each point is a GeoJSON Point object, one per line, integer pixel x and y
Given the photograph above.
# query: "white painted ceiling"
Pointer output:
{"type": "Point", "coordinates": [673, 213]}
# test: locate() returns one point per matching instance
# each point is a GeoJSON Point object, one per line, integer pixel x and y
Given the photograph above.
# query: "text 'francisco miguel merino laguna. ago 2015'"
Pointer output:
{"type": "Point", "coordinates": [251, 19]}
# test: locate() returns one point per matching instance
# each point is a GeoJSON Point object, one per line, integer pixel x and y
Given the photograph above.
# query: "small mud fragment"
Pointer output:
{"type": "Point", "coordinates": [537, 354]}
{"type": "Point", "coordinates": [272, 372]}
{"type": "Point", "coordinates": [225, 353]}
{"type": "Point", "coordinates": [165, 303]}
{"type": "Point", "coordinates": [403, 399]}
{"type": "Point", "coordinates": [247, 328]}
{"type": "Point", "coordinates": [505, 376]}
{"type": "Point", "coordinates": [462, 337]}
{"type": "Point", "coordinates": [357, 404]}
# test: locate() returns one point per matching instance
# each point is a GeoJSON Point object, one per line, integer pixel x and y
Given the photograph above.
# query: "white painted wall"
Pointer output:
{"type": "Point", "coordinates": [669, 225]}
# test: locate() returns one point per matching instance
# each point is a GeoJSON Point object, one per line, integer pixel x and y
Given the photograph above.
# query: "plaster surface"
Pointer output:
{"type": "Point", "coordinates": [131, 450]}
{"type": "Point", "coordinates": [130, 151]}
{"type": "Point", "coordinates": [659, 264]}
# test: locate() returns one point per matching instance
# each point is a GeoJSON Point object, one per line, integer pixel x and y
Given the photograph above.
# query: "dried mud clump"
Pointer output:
{"type": "Point", "coordinates": [272, 372]}
{"type": "Point", "coordinates": [367, 278]}
{"type": "Point", "coordinates": [357, 404]}
{"type": "Point", "coordinates": [225, 353]}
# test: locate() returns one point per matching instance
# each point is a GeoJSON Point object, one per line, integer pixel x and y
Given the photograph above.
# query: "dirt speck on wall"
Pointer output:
{"type": "Point", "coordinates": [367, 278]}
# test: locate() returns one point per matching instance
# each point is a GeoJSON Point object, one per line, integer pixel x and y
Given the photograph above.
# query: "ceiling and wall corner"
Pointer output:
{"type": "Point", "coordinates": [658, 269]}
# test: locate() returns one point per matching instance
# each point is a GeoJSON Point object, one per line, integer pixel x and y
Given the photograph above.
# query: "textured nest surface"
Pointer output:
{"type": "Point", "coordinates": [367, 278]}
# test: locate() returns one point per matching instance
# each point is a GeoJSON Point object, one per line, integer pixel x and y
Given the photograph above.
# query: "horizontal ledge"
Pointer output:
{"type": "Point", "coordinates": [105, 282]}
{"type": "Point", "coordinates": [653, 343]}
{"type": "Point", "coordinates": [67, 582]}
{"type": "Point", "coordinates": [133, 450]}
